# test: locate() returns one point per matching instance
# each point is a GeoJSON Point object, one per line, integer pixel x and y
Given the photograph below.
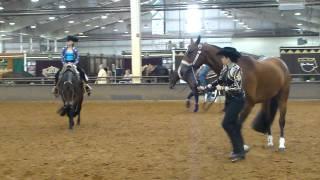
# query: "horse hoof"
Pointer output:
{"type": "Point", "coordinates": [187, 104]}
{"type": "Point", "coordinates": [196, 108]}
{"type": "Point", "coordinates": [282, 149]}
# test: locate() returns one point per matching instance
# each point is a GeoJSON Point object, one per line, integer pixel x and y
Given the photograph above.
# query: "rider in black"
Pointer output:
{"type": "Point", "coordinates": [230, 81]}
{"type": "Point", "coordinates": [70, 54]}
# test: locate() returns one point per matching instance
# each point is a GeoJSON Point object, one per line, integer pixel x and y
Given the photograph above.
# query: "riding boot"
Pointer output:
{"type": "Point", "coordinates": [88, 88]}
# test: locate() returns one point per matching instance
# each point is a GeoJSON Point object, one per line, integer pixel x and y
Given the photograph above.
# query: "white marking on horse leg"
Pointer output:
{"type": "Point", "coordinates": [282, 142]}
{"type": "Point", "coordinates": [269, 141]}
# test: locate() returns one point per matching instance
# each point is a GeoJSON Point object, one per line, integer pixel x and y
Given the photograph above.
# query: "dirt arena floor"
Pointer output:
{"type": "Point", "coordinates": [149, 140]}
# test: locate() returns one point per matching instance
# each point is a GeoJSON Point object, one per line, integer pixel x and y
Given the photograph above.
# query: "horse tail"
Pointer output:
{"type": "Point", "coordinates": [264, 119]}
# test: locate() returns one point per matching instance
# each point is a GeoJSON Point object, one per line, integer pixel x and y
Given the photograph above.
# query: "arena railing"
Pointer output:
{"type": "Point", "coordinates": [296, 78]}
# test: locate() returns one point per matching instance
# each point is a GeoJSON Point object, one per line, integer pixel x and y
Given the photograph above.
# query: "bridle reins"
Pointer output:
{"type": "Point", "coordinates": [192, 64]}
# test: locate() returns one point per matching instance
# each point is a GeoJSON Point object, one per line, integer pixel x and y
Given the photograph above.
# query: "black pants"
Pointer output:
{"type": "Point", "coordinates": [81, 71]}
{"type": "Point", "coordinates": [233, 107]}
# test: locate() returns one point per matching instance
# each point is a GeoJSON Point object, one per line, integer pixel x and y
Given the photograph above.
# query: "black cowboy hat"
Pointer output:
{"type": "Point", "coordinates": [72, 38]}
{"type": "Point", "coordinates": [230, 52]}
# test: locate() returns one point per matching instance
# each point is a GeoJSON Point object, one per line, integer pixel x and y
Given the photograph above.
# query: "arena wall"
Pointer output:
{"type": "Point", "coordinates": [309, 90]}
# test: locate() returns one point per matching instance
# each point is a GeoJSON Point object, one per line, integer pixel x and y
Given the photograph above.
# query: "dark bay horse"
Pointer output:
{"type": "Point", "coordinates": [265, 81]}
{"type": "Point", "coordinates": [190, 64]}
{"type": "Point", "coordinates": [71, 90]}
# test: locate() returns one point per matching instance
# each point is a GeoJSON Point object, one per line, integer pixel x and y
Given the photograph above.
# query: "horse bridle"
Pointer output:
{"type": "Point", "coordinates": [188, 64]}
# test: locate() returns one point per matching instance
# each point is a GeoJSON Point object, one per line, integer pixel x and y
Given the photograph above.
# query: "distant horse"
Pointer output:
{"type": "Point", "coordinates": [192, 82]}
{"type": "Point", "coordinates": [192, 60]}
{"type": "Point", "coordinates": [266, 81]}
{"type": "Point", "coordinates": [71, 90]}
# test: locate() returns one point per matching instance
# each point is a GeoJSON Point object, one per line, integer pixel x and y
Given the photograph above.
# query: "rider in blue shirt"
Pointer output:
{"type": "Point", "coordinates": [70, 54]}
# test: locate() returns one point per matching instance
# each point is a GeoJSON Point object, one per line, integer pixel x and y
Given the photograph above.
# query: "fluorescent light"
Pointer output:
{"type": "Point", "coordinates": [214, 6]}
{"type": "Point", "coordinates": [115, 30]}
{"type": "Point", "coordinates": [62, 6]}
{"type": "Point", "coordinates": [126, 32]}
{"type": "Point", "coordinates": [12, 23]}
{"type": "Point", "coordinates": [3, 35]}
{"type": "Point", "coordinates": [104, 17]}
{"type": "Point", "coordinates": [80, 33]}
{"type": "Point", "coordinates": [120, 21]}
{"type": "Point", "coordinates": [83, 36]}
{"type": "Point", "coordinates": [66, 31]}
{"type": "Point", "coordinates": [71, 22]}
{"type": "Point", "coordinates": [236, 20]}
{"type": "Point", "coordinates": [33, 26]}
{"type": "Point", "coordinates": [297, 13]}
{"type": "Point", "coordinates": [52, 17]}
{"type": "Point", "coordinates": [96, 26]}
{"type": "Point", "coordinates": [103, 27]}
{"type": "Point", "coordinates": [1, 8]}
{"type": "Point", "coordinates": [229, 16]}
{"type": "Point", "coordinates": [299, 24]}
{"type": "Point", "coordinates": [88, 25]}
{"type": "Point", "coordinates": [34, 0]}
{"type": "Point", "coordinates": [2, 22]}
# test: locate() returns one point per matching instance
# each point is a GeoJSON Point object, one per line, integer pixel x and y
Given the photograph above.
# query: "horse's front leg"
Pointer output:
{"type": "Point", "coordinates": [196, 100]}
{"type": "Point", "coordinates": [71, 115]}
{"type": "Point", "coordinates": [189, 99]}
{"type": "Point", "coordinates": [245, 111]}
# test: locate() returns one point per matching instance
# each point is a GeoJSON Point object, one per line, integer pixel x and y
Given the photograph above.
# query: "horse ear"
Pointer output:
{"type": "Point", "coordinates": [198, 40]}
{"type": "Point", "coordinates": [191, 41]}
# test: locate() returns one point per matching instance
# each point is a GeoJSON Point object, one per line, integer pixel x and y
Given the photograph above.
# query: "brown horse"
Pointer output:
{"type": "Point", "coordinates": [266, 81]}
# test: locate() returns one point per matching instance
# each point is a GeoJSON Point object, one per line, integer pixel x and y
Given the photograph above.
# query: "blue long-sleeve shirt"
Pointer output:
{"type": "Point", "coordinates": [66, 57]}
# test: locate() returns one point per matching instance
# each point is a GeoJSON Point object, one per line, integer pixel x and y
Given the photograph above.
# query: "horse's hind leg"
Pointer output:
{"type": "Point", "coordinates": [282, 120]}
{"type": "Point", "coordinates": [188, 100]}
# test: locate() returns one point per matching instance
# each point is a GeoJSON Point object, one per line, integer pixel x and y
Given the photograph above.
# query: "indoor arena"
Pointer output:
{"type": "Point", "coordinates": [159, 89]}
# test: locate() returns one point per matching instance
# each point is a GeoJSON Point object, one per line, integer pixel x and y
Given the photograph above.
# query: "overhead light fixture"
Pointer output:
{"type": "Point", "coordinates": [126, 32]}
{"type": "Point", "coordinates": [62, 6]}
{"type": "Point", "coordinates": [52, 17]}
{"type": "Point", "coordinates": [104, 17]}
{"type": "Point", "coordinates": [3, 35]}
{"type": "Point", "coordinates": [299, 24]}
{"type": "Point", "coordinates": [235, 20]}
{"type": "Point", "coordinates": [71, 22]}
{"type": "Point", "coordinates": [12, 23]}
{"type": "Point", "coordinates": [33, 26]}
{"type": "Point", "coordinates": [103, 27]}
{"type": "Point", "coordinates": [83, 36]}
{"type": "Point", "coordinates": [115, 30]}
{"type": "Point", "coordinates": [34, 1]}
{"type": "Point", "coordinates": [229, 16]}
{"type": "Point", "coordinates": [1, 8]}
{"type": "Point", "coordinates": [96, 26]}
{"type": "Point", "coordinates": [241, 23]}
{"type": "Point", "coordinates": [66, 31]}
{"type": "Point", "coordinates": [88, 25]}
{"type": "Point", "coordinates": [80, 33]}
{"type": "Point", "coordinates": [297, 14]}
{"type": "Point", "coordinates": [208, 31]}
{"type": "Point", "coordinates": [121, 21]}
{"type": "Point", "coordinates": [1, 22]}
{"type": "Point", "coordinates": [214, 6]}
